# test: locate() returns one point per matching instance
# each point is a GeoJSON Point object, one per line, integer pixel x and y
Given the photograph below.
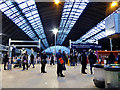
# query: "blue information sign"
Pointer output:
{"type": "Point", "coordinates": [86, 46]}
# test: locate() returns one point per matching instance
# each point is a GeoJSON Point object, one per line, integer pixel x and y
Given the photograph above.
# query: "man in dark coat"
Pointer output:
{"type": "Point", "coordinates": [83, 62]}
{"type": "Point", "coordinates": [32, 60]}
{"type": "Point", "coordinates": [6, 60]}
{"type": "Point", "coordinates": [111, 58]}
{"type": "Point", "coordinates": [75, 58]}
{"type": "Point", "coordinates": [92, 59]}
{"type": "Point", "coordinates": [59, 65]}
{"type": "Point", "coordinates": [43, 62]}
{"type": "Point", "coordinates": [71, 59]}
{"type": "Point", "coordinates": [52, 60]}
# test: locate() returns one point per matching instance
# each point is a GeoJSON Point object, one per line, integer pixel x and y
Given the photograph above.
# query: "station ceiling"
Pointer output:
{"type": "Point", "coordinates": [50, 16]}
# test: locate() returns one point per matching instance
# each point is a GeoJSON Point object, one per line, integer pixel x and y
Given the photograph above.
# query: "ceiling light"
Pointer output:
{"type": "Point", "coordinates": [57, 2]}
{"type": "Point", "coordinates": [55, 31]}
{"type": "Point", "coordinates": [114, 3]}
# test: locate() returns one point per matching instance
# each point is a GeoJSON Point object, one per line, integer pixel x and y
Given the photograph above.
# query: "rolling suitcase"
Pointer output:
{"type": "Point", "coordinates": [9, 66]}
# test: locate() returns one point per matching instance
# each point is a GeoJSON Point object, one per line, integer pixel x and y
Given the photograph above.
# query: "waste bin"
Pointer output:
{"type": "Point", "coordinates": [112, 76]}
{"type": "Point", "coordinates": [99, 77]}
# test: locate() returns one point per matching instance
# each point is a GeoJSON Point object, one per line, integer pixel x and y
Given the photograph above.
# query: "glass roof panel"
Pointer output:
{"type": "Point", "coordinates": [51, 49]}
{"type": "Point", "coordinates": [23, 5]}
{"type": "Point", "coordinates": [71, 17]}
{"type": "Point", "coordinates": [32, 15]}
{"type": "Point", "coordinates": [10, 10]}
{"type": "Point", "coordinates": [30, 2]}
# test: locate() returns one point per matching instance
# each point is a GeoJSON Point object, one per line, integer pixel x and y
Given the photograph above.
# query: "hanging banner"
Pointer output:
{"type": "Point", "coordinates": [86, 46]}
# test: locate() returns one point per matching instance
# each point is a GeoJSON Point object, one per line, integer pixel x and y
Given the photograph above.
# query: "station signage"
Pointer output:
{"type": "Point", "coordinates": [86, 46]}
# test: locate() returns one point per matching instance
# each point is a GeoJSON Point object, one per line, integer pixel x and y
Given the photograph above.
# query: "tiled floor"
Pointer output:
{"type": "Point", "coordinates": [32, 78]}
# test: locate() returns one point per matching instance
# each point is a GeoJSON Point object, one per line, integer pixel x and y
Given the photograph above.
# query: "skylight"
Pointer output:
{"type": "Point", "coordinates": [98, 30]}
{"type": "Point", "coordinates": [71, 13]}
{"type": "Point", "coordinates": [29, 14]}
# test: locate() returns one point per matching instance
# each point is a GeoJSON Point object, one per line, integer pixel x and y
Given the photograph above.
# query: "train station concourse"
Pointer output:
{"type": "Point", "coordinates": [46, 44]}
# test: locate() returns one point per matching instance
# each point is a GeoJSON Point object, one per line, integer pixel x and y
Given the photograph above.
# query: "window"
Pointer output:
{"type": "Point", "coordinates": [23, 5]}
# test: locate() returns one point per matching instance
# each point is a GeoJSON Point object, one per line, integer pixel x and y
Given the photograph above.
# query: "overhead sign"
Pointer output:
{"type": "Point", "coordinates": [112, 24]}
{"type": "Point", "coordinates": [86, 46]}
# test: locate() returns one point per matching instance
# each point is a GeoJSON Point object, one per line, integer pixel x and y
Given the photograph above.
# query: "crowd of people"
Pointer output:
{"type": "Point", "coordinates": [62, 59]}
{"type": "Point", "coordinates": [19, 61]}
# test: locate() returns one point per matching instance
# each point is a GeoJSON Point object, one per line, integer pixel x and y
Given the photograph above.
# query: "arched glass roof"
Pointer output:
{"type": "Point", "coordinates": [52, 49]}
{"type": "Point", "coordinates": [25, 15]}
{"type": "Point", "coordinates": [97, 32]}
{"type": "Point", "coordinates": [71, 12]}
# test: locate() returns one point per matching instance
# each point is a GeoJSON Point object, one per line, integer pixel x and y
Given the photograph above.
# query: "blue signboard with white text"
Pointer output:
{"type": "Point", "coordinates": [86, 46]}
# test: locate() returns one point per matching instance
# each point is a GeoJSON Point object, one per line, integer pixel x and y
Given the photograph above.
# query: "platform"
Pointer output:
{"type": "Point", "coordinates": [32, 78]}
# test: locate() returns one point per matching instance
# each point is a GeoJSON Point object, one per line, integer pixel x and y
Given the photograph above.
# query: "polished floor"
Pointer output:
{"type": "Point", "coordinates": [32, 78]}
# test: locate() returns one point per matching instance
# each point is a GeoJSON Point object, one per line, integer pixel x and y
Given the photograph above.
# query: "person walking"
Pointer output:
{"type": "Point", "coordinates": [32, 60]}
{"type": "Point", "coordinates": [52, 60]}
{"type": "Point", "coordinates": [25, 61]}
{"type": "Point", "coordinates": [6, 60]}
{"type": "Point", "coordinates": [92, 59]}
{"type": "Point", "coordinates": [59, 57]}
{"type": "Point", "coordinates": [83, 62]}
{"type": "Point", "coordinates": [111, 58]}
{"type": "Point", "coordinates": [43, 62]}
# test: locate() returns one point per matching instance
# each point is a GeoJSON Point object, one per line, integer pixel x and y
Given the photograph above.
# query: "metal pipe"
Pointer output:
{"type": "Point", "coordinates": [39, 44]}
{"type": "Point", "coordinates": [9, 50]}
{"type": "Point", "coordinates": [70, 43]}
{"type": "Point", "coordinates": [55, 44]}
{"type": "Point", "coordinates": [3, 50]}
{"type": "Point", "coordinates": [25, 45]}
{"type": "Point", "coordinates": [25, 41]}
{"type": "Point", "coordinates": [110, 44]}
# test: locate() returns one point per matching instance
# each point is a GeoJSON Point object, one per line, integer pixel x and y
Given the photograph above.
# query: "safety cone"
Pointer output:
{"type": "Point", "coordinates": [68, 62]}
